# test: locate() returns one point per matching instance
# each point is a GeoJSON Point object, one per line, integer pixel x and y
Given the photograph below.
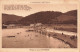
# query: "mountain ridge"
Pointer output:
{"type": "Point", "coordinates": [46, 17]}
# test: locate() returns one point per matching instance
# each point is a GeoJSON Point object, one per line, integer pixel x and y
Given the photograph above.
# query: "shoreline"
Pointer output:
{"type": "Point", "coordinates": [66, 39]}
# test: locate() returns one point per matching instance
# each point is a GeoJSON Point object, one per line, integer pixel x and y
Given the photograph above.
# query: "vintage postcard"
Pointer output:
{"type": "Point", "coordinates": [39, 26]}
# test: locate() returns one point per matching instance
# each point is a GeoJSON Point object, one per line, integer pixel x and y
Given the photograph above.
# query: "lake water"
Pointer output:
{"type": "Point", "coordinates": [64, 32]}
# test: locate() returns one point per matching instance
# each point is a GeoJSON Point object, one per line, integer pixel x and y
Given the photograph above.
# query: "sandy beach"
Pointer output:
{"type": "Point", "coordinates": [21, 38]}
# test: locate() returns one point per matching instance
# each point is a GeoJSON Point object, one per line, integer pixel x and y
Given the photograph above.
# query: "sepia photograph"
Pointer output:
{"type": "Point", "coordinates": [39, 26]}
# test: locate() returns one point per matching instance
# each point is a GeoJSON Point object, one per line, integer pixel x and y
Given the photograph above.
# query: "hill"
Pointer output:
{"type": "Point", "coordinates": [44, 17]}
{"type": "Point", "coordinates": [51, 17]}
{"type": "Point", "coordinates": [8, 18]}
{"type": "Point", "coordinates": [68, 17]}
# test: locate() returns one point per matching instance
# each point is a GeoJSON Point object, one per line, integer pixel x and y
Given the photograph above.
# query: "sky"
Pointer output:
{"type": "Point", "coordinates": [62, 7]}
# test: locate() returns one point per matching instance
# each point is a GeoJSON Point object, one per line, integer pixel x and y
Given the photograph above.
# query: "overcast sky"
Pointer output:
{"type": "Point", "coordinates": [62, 7]}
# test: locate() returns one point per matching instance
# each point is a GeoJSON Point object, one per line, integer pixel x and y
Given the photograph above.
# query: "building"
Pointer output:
{"type": "Point", "coordinates": [10, 26]}
{"type": "Point", "coordinates": [4, 26]}
{"type": "Point", "coordinates": [38, 24]}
